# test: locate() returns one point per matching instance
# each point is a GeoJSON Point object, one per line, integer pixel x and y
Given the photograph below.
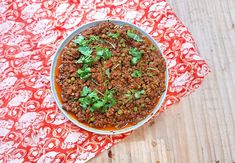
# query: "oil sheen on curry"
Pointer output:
{"type": "Point", "coordinates": [110, 76]}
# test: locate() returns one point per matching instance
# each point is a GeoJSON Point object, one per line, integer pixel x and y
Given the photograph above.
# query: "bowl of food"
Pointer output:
{"type": "Point", "coordinates": [109, 77]}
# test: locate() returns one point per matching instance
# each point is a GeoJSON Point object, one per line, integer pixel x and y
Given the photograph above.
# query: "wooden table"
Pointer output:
{"type": "Point", "coordinates": [201, 128]}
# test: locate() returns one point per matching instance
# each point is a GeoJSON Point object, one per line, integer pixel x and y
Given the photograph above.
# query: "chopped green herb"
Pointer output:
{"type": "Point", "coordinates": [98, 104]}
{"type": "Point", "coordinates": [94, 38]}
{"type": "Point", "coordinates": [122, 43]}
{"type": "Point", "coordinates": [114, 35]}
{"type": "Point", "coordinates": [86, 60]}
{"type": "Point", "coordinates": [85, 91]}
{"type": "Point", "coordinates": [80, 40]}
{"type": "Point", "coordinates": [136, 55]}
{"type": "Point", "coordinates": [88, 97]}
{"type": "Point", "coordinates": [105, 53]}
{"type": "Point", "coordinates": [84, 72]}
{"type": "Point", "coordinates": [135, 52]}
{"type": "Point", "coordinates": [136, 74]}
{"type": "Point", "coordinates": [138, 93]}
{"type": "Point", "coordinates": [134, 36]}
{"type": "Point", "coordinates": [152, 48]}
{"type": "Point", "coordinates": [85, 50]}
{"type": "Point", "coordinates": [134, 93]}
{"type": "Point", "coordinates": [93, 95]}
{"type": "Point", "coordinates": [107, 72]}
{"type": "Point", "coordinates": [84, 102]}
{"type": "Point", "coordinates": [90, 100]}
{"type": "Point", "coordinates": [108, 99]}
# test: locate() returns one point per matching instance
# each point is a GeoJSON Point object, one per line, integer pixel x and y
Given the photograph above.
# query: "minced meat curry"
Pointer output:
{"type": "Point", "coordinates": [110, 76]}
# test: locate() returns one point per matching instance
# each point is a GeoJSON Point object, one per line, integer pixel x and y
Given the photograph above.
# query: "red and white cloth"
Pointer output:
{"type": "Point", "coordinates": [32, 129]}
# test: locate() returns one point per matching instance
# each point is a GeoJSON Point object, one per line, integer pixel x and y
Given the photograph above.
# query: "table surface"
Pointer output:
{"type": "Point", "coordinates": [201, 128]}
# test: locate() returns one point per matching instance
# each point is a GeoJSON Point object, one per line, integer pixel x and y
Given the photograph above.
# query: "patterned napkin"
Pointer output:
{"type": "Point", "coordinates": [32, 129]}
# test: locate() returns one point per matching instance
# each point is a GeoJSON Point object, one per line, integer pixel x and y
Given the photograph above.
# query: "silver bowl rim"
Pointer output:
{"type": "Point", "coordinates": [86, 127]}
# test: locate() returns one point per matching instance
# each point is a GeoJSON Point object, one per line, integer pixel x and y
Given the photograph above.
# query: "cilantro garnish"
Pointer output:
{"type": "Point", "coordinates": [84, 72]}
{"type": "Point", "coordinates": [108, 100]}
{"type": "Point", "coordinates": [90, 100]}
{"type": "Point", "coordinates": [135, 93]}
{"type": "Point", "coordinates": [107, 72]}
{"type": "Point", "coordinates": [94, 38]}
{"type": "Point", "coordinates": [80, 40]}
{"type": "Point", "coordinates": [87, 97]}
{"type": "Point", "coordinates": [122, 42]}
{"type": "Point", "coordinates": [136, 55]}
{"type": "Point", "coordinates": [114, 35]}
{"type": "Point", "coordinates": [134, 36]}
{"type": "Point", "coordinates": [85, 50]}
{"type": "Point", "coordinates": [105, 53]}
{"type": "Point", "coordinates": [85, 91]}
{"type": "Point", "coordinates": [136, 74]}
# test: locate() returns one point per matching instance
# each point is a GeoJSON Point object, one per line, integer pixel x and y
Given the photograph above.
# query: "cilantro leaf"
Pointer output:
{"type": "Point", "coordinates": [135, 60]}
{"type": "Point", "coordinates": [107, 72]}
{"type": "Point", "coordinates": [136, 55]}
{"type": "Point", "coordinates": [138, 93]}
{"type": "Point", "coordinates": [136, 74]}
{"type": "Point", "coordinates": [84, 102]}
{"type": "Point", "coordinates": [84, 73]}
{"type": "Point", "coordinates": [93, 96]}
{"type": "Point", "coordinates": [97, 38]}
{"type": "Point", "coordinates": [94, 38]}
{"type": "Point", "coordinates": [98, 104]}
{"type": "Point", "coordinates": [86, 60]}
{"type": "Point", "coordinates": [122, 42]}
{"type": "Point", "coordinates": [80, 40]}
{"type": "Point", "coordinates": [85, 91]}
{"type": "Point", "coordinates": [134, 36]}
{"type": "Point", "coordinates": [90, 100]}
{"type": "Point", "coordinates": [85, 50]}
{"type": "Point", "coordinates": [135, 52]}
{"type": "Point", "coordinates": [134, 93]}
{"type": "Point", "coordinates": [105, 53]}
{"type": "Point", "coordinates": [108, 99]}
{"type": "Point", "coordinates": [114, 35]}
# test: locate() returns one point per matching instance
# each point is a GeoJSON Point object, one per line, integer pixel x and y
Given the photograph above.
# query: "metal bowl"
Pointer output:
{"type": "Point", "coordinates": [74, 120]}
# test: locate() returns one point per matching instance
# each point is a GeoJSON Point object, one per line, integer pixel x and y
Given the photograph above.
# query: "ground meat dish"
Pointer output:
{"type": "Point", "coordinates": [111, 76]}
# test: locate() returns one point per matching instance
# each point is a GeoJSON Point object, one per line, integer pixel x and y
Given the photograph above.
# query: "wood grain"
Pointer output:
{"type": "Point", "coordinates": [201, 128]}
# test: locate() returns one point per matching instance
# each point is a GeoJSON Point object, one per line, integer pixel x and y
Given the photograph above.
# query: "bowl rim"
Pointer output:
{"type": "Point", "coordinates": [75, 121]}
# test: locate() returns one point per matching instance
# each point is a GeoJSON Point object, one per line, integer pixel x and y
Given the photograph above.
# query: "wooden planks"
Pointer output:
{"type": "Point", "coordinates": [201, 128]}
